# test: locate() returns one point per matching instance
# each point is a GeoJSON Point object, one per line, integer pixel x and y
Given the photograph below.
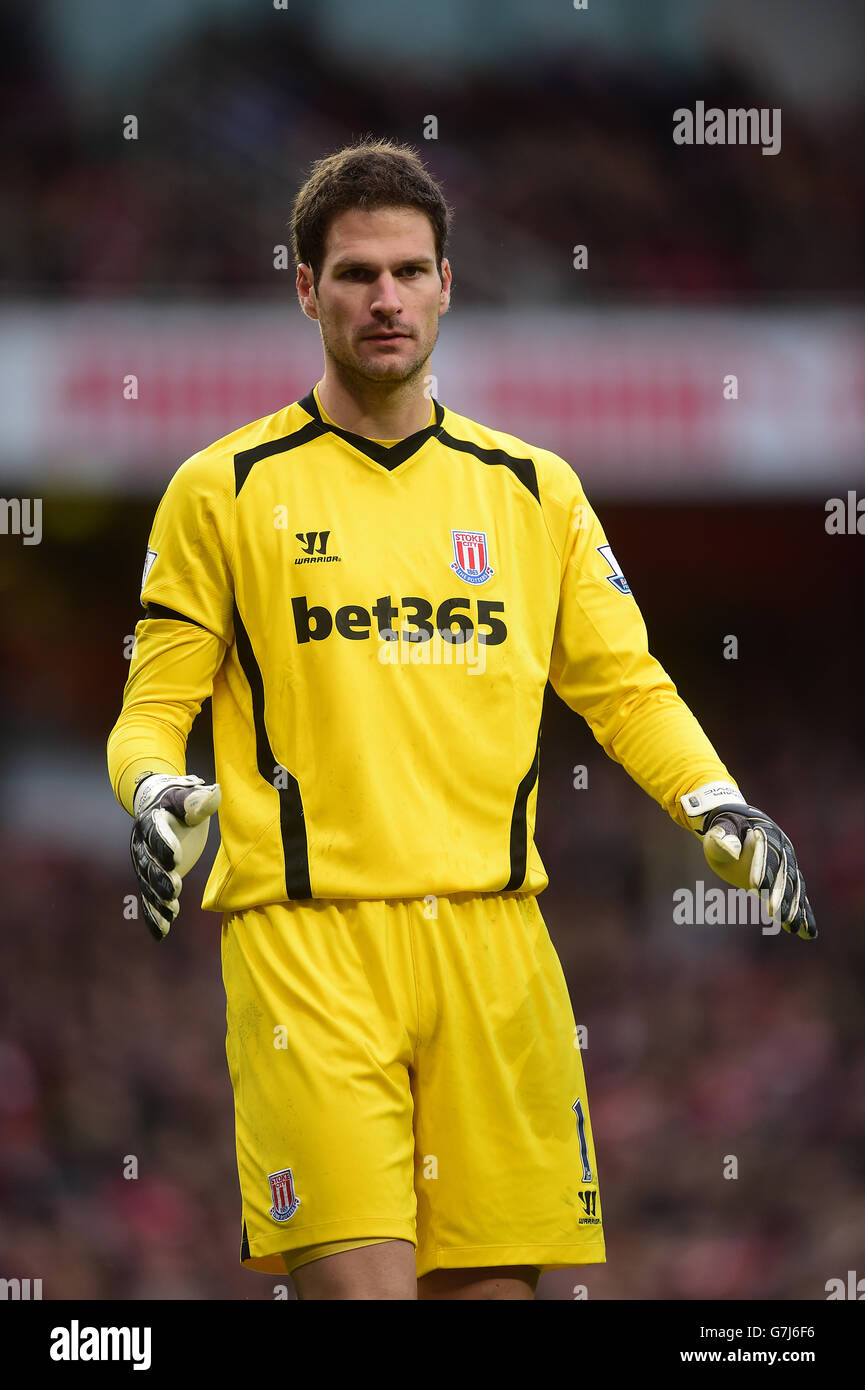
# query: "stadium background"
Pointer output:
{"type": "Point", "coordinates": [155, 257]}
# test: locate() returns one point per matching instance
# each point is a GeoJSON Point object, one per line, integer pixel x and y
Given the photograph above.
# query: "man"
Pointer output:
{"type": "Point", "coordinates": [376, 591]}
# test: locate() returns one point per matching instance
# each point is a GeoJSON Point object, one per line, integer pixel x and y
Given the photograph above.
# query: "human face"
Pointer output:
{"type": "Point", "coordinates": [379, 296]}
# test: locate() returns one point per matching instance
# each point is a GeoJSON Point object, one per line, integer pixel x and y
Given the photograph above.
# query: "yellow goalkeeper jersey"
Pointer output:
{"type": "Point", "coordinates": [377, 625]}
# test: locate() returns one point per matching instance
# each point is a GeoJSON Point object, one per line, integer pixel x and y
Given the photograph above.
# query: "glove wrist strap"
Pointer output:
{"type": "Point", "coordinates": [139, 783]}
{"type": "Point", "coordinates": [697, 804]}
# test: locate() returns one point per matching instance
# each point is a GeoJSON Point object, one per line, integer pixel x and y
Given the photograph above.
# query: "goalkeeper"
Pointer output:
{"type": "Point", "coordinates": [422, 1128]}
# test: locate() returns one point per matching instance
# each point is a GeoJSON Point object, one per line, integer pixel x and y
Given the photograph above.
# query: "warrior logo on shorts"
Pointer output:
{"type": "Point", "coordinates": [470, 556]}
{"type": "Point", "coordinates": [285, 1203]}
{"type": "Point", "coordinates": [590, 1208]}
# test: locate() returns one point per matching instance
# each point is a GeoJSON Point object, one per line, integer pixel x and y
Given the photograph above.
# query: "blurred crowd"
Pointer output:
{"type": "Point", "coordinates": [703, 1044]}
{"type": "Point", "coordinates": [536, 159]}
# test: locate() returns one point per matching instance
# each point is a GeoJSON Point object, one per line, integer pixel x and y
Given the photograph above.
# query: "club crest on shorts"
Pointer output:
{"type": "Point", "coordinates": [470, 556]}
{"type": "Point", "coordinates": [285, 1202]}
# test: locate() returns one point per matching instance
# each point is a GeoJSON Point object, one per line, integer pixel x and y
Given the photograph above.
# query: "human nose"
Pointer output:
{"type": "Point", "coordinates": [387, 299]}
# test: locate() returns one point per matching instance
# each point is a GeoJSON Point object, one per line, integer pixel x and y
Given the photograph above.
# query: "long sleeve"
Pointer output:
{"type": "Point", "coordinates": [171, 675]}
{"type": "Point", "coordinates": [187, 594]}
{"type": "Point", "coordinates": [602, 668]}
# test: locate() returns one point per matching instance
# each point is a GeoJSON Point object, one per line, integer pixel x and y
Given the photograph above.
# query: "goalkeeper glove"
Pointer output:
{"type": "Point", "coordinates": [172, 818]}
{"type": "Point", "coordinates": [747, 849]}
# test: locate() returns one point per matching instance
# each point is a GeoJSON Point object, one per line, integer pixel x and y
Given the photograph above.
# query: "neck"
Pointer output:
{"type": "Point", "coordinates": [375, 409]}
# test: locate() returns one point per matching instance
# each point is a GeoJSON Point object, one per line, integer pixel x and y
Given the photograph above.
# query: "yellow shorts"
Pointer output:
{"type": "Point", "coordinates": [408, 1069]}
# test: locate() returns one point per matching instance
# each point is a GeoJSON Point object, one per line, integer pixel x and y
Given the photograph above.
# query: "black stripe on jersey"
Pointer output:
{"type": "Point", "coordinates": [291, 822]}
{"type": "Point", "coordinates": [246, 460]}
{"type": "Point", "coordinates": [156, 610]}
{"type": "Point", "coordinates": [389, 455]}
{"type": "Point", "coordinates": [244, 1244]}
{"type": "Point", "coordinates": [519, 824]}
{"type": "Point", "coordinates": [524, 469]}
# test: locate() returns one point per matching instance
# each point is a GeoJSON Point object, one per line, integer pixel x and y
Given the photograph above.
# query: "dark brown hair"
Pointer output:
{"type": "Point", "coordinates": [375, 173]}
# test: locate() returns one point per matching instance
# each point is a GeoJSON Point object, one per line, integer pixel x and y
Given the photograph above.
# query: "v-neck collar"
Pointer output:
{"type": "Point", "coordinates": [389, 456]}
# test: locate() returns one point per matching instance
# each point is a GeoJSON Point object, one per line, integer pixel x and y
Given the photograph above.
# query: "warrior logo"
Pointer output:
{"type": "Point", "coordinates": [590, 1203]}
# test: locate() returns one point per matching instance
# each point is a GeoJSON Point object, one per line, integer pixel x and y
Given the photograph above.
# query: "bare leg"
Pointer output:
{"type": "Point", "coordinates": [502, 1282]}
{"type": "Point", "coordinates": [383, 1271]}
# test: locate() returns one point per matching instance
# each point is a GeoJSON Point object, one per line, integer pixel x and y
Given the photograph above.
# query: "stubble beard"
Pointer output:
{"type": "Point", "coordinates": [353, 367]}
